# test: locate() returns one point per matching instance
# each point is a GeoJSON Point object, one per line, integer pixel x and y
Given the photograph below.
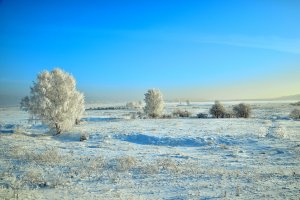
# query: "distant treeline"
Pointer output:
{"type": "Point", "coordinates": [108, 108]}
{"type": "Point", "coordinates": [296, 104]}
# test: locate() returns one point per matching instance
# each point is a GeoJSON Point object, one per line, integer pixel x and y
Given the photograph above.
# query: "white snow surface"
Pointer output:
{"type": "Point", "coordinates": [125, 158]}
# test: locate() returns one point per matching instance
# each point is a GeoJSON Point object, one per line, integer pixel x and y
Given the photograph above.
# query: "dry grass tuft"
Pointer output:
{"type": "Point", "coordinates": [34, 177]}
{"type": "Point", "coordinates": [125, 163]}
{"type": "Point", "coordinates": [149, 169]}
{"type": "Point", "coordinates": [168, 164]}
{"type": "Point", "coordinates": [49, 156]}
{"type": "Point", "coordinates": [91, 167]}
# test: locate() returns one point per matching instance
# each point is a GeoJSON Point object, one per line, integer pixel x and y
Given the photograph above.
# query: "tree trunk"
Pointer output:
{"type": "Point", "coordinates": [58, 130]}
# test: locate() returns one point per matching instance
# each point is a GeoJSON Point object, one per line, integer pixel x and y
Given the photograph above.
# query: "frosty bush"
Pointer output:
{"type": "Point", "coordinates": [166, 116]}
{"type": "Point", "coordinates": [125, 163]}
{"type": "Point", "coordinates": [295, 114]}
{"type": "Point", "coordinates": [217, 110]}
{"type": "Point", "coordinates": [181, 113]}
{"type": "Point", "coordinates": [83, 137]}
{"type": "Point", "coordinates": [34, 177]}
{"type": "Point", "coordinates": [149, 169]}
{"type": "Point", "coordinates": [168, 164]}
{"type": "Point", "coordinates": [55, 100]}
{"type": "Point", "coordinates": [49, 156]}
{"type": "Point", "coordinates": [90, 167]}
{"type": "Point", "coordinates": [229, 114]}
{"type": "Point", "coordinates": [154, 103]}
{"type": "Point", "coordinates": [242, 110]}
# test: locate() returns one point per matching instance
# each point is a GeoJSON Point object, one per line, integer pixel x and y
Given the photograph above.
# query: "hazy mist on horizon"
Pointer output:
{"type": "Point", "coordinates": [116, 50]}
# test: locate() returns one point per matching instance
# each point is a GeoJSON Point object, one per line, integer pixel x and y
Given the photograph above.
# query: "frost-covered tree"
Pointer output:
{"type": "Point", "coordinates": [217, 110]}
{"type": "Point", "coordinates": [242, 110]}
{"type": "Point", "coordinates": [154, 103]}
{"type": "Point", "coordinates": [295, 114]}
{"type": "Point", "coordinates": [55, 100]}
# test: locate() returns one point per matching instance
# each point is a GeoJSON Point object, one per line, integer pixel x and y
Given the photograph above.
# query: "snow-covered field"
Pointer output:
{"type": "Point", "coordinates": [126, 158]}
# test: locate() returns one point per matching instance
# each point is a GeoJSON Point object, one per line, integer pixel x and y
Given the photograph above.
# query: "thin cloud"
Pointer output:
{"type": "Point", "coordinates": [270, 43]}
{"type": "Point", "coordinates": [274, 43]}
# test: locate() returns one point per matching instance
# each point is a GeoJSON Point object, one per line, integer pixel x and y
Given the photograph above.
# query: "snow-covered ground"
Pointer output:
{"type": "Point", "coordinates": [127, 158]}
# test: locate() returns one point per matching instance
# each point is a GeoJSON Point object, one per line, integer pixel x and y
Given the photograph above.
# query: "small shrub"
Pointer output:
{"type": "Point", "coordinates": [49, 156]}
{"type": "Point", "coordinates": [125, 163]}
{"type": "Point", "coordinates": [181, 113]}
{"type": "Point", "coordinates": [16, 185]}
{"type": "Point", "coordinates": [90, 167]}
{"type": "Point", "coordinates": [242, 110]}
{"type": "Point", "coordinates": [18, 152]}
{"type": "Point", "coordinates": [295, 114]}
{"type": "Point", "coordinates": [55, 178]}
{"type": "Point", "coordinates": [166, 116]}
{"type": "Point", "coordinates": [149, 169]}
{"type": "Point", "coordinates": [296, 104]}
{"type": "Point", "coordinates": [217, 110]}
{"type": "Point", "coordinates": [229, 115]}
{"type": "Point", "coordinates": [168, 164]}
{"type": "Point", "coordinates": [140, 115]}
{"type": "Point", "coordinates": [83, 137]}
{"type": "Point", "coordinates": [34, 177]}
{"type": "Point", "coordinates": [153, 115]}
{"type": "Point", "coordinates": [202, 115]}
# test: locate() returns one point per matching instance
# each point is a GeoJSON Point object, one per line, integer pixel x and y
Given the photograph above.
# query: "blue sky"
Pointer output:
{"type": "Point", "coordinates": [116, 50]}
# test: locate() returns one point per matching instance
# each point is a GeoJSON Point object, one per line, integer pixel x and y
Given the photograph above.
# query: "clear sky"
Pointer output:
{"type": "Point", "coordinates": [116, 50]}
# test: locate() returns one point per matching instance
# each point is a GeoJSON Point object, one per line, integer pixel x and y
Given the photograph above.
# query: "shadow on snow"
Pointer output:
{"type": "Point", "coordinates": [161, 141]}
{"type": "Point", "coordinates": [144, 139]}
{"type": "Point", "coordinates": [100, 119]}
{"type": "Point", "coordinates": [7, 128]}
